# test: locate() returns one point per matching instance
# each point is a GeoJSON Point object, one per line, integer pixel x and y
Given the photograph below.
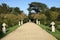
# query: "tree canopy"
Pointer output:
{"type": "Point", "coordinates": [40, 11]}
{"type": "Point", "coordinates": [10, 15]}
{"type": "Point", "coordinates": [4, 8]}
{"type": "Point", "coordinates": [37, 7]}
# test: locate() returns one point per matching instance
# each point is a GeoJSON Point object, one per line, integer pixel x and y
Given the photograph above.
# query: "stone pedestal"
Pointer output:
{"type": "Point", "coordinates": [21, 22]}
{"type": "Point", "coordinates": [53, 27]}
{"type": "Point", "coordinates": [36, 21]}
{"type": "Point", "coordinates": [39, 22]}
{"type": "Point", "coordinates": [4, 28]}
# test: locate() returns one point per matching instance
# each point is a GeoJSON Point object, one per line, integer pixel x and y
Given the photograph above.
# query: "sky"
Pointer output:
{"type": "Point", "coordinates": [23, 4]}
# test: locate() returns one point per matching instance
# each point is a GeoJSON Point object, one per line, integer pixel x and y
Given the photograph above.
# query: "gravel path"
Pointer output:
{"type": "Point", "coordinates": [29, 31]}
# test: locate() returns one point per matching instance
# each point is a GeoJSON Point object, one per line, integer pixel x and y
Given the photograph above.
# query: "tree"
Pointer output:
{"type": "Point", "coordinates": [22, 16]}
{"type": "Point", "coordinates": [4, 8]}
{"type": "Point", "coordinates": [31, 16]}
{"type": "Point", "coordinates": [11, 15]}
{"type": "Point", "coordinates": [10, 19]}
{"type": "Point", "coordinates": [42, 18]}
{"type": "Point", "coordinates": [54, 15]}
{"type": "Point", "coordinates": [37, 7]}
{"type": "Point", "coordinates": [16, 10]}
{"type": "Point", "coordinates": [55, 9]}
{"type": "Point", "coordinates": [0, 9]}
{"type": "Point", "coordinates": [36, 16]}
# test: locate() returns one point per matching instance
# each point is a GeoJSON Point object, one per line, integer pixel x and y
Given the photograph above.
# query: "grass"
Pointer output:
{"type": "Point", "coordinates": [9, 30]}
{"type": "Point", "coordinates": [48, 29]}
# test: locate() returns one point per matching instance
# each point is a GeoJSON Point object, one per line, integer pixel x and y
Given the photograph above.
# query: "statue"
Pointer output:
{"type": "Point", "coordinates": [4, 28]}
{"type": "Point", "coordinates": [53, 27]}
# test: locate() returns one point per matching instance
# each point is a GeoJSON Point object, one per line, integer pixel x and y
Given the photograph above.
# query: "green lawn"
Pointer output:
{"type": "Point", "coordinates": [9, 30]}
{"type": "Point", "coordinates": [48, 29]}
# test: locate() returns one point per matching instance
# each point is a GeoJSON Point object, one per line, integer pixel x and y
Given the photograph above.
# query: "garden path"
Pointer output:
{"type": "Point", "coordinates": [29, 31]}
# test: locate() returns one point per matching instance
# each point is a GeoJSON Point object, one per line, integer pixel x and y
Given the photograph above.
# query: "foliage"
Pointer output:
{"type": "Point", "coordinates": [31, 15]}
{"type": "Point", "coordinates": [11, 19]}
{"type": "Point", "coordinates": [36, 16]}
{"type": "Point", "coordinates": [42, 18]}
{"type": "Point", "coordinates": [5, 9]}
{"type": "Point", "coordinates": [10, 15]}
{"type": "Point", "coordinates": [54, 15]}
{"type": "Point", "coordinates": [55, 9]}
{"type": "Point", "coordinates": [43, 13]}
{"type": "Point", "coordinates": [37, 7]}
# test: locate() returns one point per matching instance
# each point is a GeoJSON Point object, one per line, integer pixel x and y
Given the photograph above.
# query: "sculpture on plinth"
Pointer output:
{"type": "Point", "coordinates": [53, 27]}
{"type": "Point", "coordinates": [4, 27]}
